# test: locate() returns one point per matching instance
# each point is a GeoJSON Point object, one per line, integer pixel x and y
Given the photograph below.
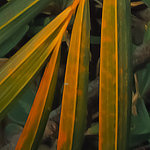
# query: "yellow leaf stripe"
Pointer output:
{"type": "Point", "coordinates": [42, 104]}
{"type": "Point", "coordinates": [39, 113]}
{"type": "Point", "coordinates": [28, 49]}
{"type": "Point", "coordinates": [71, 91]}
{"type": "Point", "coordinates": [108, 78]}
{"type": "Point", "coordinates": [115, 75]}
{"type": "Point", "coordinates": [116, 46]}
{"type": "Point", "coordinates": [21, 67]}
{"type": "Point", "coordinates": [21, 12]}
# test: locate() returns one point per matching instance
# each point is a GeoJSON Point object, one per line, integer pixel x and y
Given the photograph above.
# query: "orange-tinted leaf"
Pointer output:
{"type": "Point", "coordinates": [39, 113]}
{"type": "Point", "coordinates": [21, 67]}
{"type": "Point", "coordinates": [115, 76]}
{"type": "Point", "coordinates": [40, 110]}
{"type": "Point", "coordinates": [74, 101]}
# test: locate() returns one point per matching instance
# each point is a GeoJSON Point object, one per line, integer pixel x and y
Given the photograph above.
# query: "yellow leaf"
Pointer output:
{"type": "Point", "coordinates": [22, 67]}
{"type": "Point", "coordinates": [74, 101]}
{"type": "Point", "coordinates": [115, 76]}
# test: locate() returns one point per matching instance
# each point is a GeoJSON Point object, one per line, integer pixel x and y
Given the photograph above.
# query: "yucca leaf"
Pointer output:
{"type": "Point", "coordinates": [39, 113]}
{"type": "Point", "coordinates": [21, 67]}
{"type": "Point", "coordinates": [36, 122]}
{"type": "Point", "coordinates": [115, 76]}
{"type": "Point", "coordinates": [12, 41]}
{"type": "Point", "coordinates": [17, 13]}
{"type": "Point", "coordinates": [20, 111]}
{"type": "Point", "coordinates": [60, 4]}
{"type": "Point", "coordinates": [38, 24]}
{"type": "Point", "coordinates": [147, 2]}
{"type": "Point", "coordinates": [74, 101]}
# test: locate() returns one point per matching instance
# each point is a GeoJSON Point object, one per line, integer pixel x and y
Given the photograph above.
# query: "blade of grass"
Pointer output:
{"type": "Point", "coordinates": [115, 76]}
{"type": "Point", "coordinates": [21, 67]}
{"type": "Point", "coordinates": [74, 101]}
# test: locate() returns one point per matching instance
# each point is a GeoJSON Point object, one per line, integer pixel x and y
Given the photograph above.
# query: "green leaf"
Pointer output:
{"type": "Point", "coordinates": [21, 109]}
{"type": "Point", "coordinates": [61, 4]}
{"type": "Point", "coordinates": [140, 125]}
{"type": "Point", "coordinates": [21, 67]}
{"type": "Point", "coordinates": [38, 24]}
{"type": "Point", "coordinates": [37, 119]}
{"type": "Point", "coordinates": [115, 76]}
{"type": "Point", "coordinates": [16, 14]}
{"type": "Point", "coordinates": [93, 130]}
{"type": "Point", "coordinates": [11, 42]}
{"type": "Point", "coordinates": [74, 101]}
{"type": "Point", "coordinates": [147, 2]}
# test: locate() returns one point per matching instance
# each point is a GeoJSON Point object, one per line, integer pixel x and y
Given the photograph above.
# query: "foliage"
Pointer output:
{"type": "Point", "coordinates": [29, 79]}
{"type": "Point", "coordinates": [115, 76]}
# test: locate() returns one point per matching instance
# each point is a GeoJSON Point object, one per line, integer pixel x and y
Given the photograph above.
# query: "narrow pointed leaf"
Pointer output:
{"type": "Point", "coordinates": [39, 113]}
{"type": "Point", "coordinates": [11, 42]}
{"type": "Point", "coordinates": [17, 13]}
{"type": "Point", "coordinates": [36, 122]}
{"type": "Point", "coordinates": [147, 2]}
{"type": "Point", "coordinates": [74, 101]}
{"type": "Point", "coordinates": [20, 111]}
{"type": "Point", "coordinates": [115, 76]}
{"type": "Point", "coordinates": [21, 67]}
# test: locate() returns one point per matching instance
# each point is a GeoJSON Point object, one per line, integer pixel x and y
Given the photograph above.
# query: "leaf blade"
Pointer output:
{"type": "Point", "coordinates": [36, 122]}
{"type": "Point", "coordinates": [28, 60]}
{"type": "Point", "coordinates": [7, 45]}
{"type": "Point", "coordinates": [16, 14]}
{"type": "Point", "coordinates": [75, 86]}
{"type": "Point", "coordinates": [41, 105]}
{"type": "Point", "coordinates": [114, 90]}
{"type": "Point", "coordinates": [147, 2]}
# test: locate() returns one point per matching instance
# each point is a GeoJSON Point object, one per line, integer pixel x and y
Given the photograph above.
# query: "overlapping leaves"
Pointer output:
{"type": "Point", "coordinates": [21, 67]}
{"type": "Point", "coordinates": [14, 17]}
{"type": "Point", "coordinates": [40, 110]}
{"type": "Point", "coordinates": [74, 101]}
